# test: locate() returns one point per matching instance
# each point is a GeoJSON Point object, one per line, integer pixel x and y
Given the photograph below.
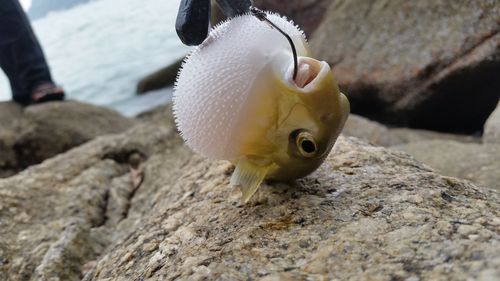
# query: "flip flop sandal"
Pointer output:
{"type": "Point", "coordinates": [46, 93]}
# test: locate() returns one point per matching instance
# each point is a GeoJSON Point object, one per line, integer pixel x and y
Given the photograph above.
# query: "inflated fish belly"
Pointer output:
{"type": "Point", "coordinates": [236, 99]}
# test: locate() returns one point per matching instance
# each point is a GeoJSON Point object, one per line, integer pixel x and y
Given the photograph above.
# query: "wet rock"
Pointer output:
{"type": "Point", "coordinates": [492, 127]}
{"type": "Point", "coordinates": [367, 212]}
{"type": "Point", "coordinates": [32, 134]}
{"type": "Point", "coordinates": [305, 13]}
{"type": "Point", "coordinates": [479, 163]}
{"type": "Point", "coordinates": [426, 64]}
{"type": "Point", "coordinates": [379, 134]}
{"type": "Point", "coordinates": [160, 79]}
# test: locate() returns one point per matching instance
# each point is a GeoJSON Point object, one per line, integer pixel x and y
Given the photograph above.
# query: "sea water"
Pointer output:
{"type": "Point", "coordinates": [99, 51]}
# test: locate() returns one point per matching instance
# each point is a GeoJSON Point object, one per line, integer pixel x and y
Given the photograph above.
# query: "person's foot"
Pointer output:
{"type": "Point", "coordinates": [47, 92]}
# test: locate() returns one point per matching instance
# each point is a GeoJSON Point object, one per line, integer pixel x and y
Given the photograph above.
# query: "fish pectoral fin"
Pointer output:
{"type": "Point", "coordinates": [248, 177]}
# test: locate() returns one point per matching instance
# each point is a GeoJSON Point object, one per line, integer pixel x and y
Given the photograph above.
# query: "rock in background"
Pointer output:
{"type": "Point", "coordinates": [160, 79]}
{"type": "Point", "coordinates": [35, 133]}
{"type": "Point", "coordinates": [465, 157]}
{"type": "Point", "coordinates": [307, 14]}
{"type": "Point", "coordinates": [379, 134]}
{"type": "Point", "coordinates": [425, 64]}
{"type": "Point", "coordinates": [366, 213]}
{"type": "Point", "coordinates": [479, 163]}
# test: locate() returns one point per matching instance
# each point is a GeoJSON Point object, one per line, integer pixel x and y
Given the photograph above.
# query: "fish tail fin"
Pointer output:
{"type": "Point", "coordinates": [248, 177]}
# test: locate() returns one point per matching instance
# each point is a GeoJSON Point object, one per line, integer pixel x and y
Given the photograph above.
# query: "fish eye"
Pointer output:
{"type": "Point", "coordinates": [306, 144]}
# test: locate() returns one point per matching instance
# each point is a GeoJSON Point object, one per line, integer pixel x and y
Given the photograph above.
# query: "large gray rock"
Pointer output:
{"type": "Point", "coordinates": [427, 64]}
{"type": "Point", "coordinates": [32, 134]}
{"type": "Point", "coordinates": [366, 213]}
{"type": "Point", "coordinates": [492, 127]}
{"type": "Point", "coordinates": [479, 163]}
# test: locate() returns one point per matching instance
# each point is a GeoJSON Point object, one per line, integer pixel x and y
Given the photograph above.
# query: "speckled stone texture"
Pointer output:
{"type": "Point", "coordinates": [58, 216]}
{"type": "Point", "coordinates": [368, 213]}
{"type": "Point", "coordinates": [427, 64]}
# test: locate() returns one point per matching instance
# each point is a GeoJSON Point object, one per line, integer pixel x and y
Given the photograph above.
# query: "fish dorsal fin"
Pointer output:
{"type": "Point", "coordinates": [248, 177]}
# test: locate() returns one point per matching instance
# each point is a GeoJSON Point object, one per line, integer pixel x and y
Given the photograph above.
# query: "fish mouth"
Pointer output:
{"type": "Point", "coordinates": [309, 72]}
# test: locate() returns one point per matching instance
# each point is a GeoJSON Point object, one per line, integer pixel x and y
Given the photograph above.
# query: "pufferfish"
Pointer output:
{"type": "Point", "coordinates": [236, 99]}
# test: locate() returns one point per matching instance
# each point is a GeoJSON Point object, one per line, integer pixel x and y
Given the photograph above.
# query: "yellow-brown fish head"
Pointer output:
{"type": "Point", "coordinates": [311, 115]}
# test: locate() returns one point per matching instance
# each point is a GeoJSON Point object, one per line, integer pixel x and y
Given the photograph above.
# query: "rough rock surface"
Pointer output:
{"type": "Point", "coordinates": [32, 134]}
{"type": "Point", "coordinates": [492, 127]}
{"type": "Point", "coordinates": [479, 163]}
{"type": "Point", "coordinates": [305, 13]}
{"type": "Point", "coordinates": [368, 213]}
{"type": "Point", "coordinates": [426, 64]}
{"type": "Point", "coordinates": [379, 134]}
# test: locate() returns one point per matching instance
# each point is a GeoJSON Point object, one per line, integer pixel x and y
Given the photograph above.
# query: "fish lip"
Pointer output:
{"type": "Point", "coordinates": [318, 71]}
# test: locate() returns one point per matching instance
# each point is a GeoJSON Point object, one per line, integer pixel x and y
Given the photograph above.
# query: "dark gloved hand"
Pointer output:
{"type": "Point", "coordinates": [193, 18]}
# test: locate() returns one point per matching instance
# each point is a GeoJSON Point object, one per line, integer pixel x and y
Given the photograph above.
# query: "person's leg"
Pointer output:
{"type": "Point", "coordinates": [21, 56]}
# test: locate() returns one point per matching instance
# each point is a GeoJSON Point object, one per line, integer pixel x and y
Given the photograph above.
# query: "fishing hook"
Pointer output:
{"type": "Point", "coordinates": [262, 16]}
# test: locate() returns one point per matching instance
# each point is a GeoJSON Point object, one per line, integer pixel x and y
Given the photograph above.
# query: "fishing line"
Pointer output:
{"type": "Point", "coordinates": [263, 17]}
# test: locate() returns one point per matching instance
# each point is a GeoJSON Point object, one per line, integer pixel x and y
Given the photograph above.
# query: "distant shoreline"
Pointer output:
{"type": "Point", "coordinates": [41, 8]}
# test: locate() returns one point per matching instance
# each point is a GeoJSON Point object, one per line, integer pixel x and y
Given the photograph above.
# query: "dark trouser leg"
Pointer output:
{"type": "Point", "coordinates": [21, 56]}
